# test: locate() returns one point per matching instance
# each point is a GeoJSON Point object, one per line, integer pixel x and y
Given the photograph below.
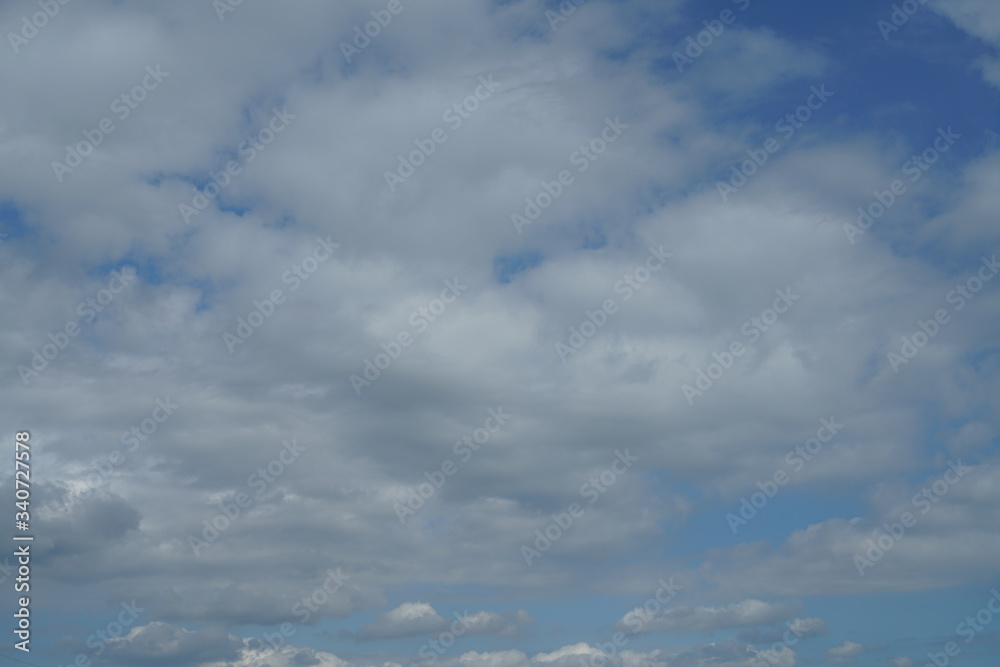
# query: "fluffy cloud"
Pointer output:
{"type": "Point", "coordinates": [412, 619]}
{"type": "Point", "coordinates": [695, 619]}
{"type": "Point", "coordinates": [847, 652]}
{"type": "Point", "coordinates": [162, 644]}
{"type": "Point", "coordinates": [199, 514]}
{"type": "Point", "coordinates": [980, 18]}
{"type": "Point", "coordinates": [727, 654]}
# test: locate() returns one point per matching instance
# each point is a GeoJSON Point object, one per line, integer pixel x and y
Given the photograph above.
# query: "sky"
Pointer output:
{"type": "Point", "coordinates": [501, 333]}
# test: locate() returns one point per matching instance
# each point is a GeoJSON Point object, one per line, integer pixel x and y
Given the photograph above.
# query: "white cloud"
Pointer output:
{"type": "Point", "coordinates": [847, 652]}
{"type": "Point", "coordinates": [412, 619]}
{"type": "Point", "coordinates": [693, 619]}
{"type": "Point", "coordinates": [325, 176]}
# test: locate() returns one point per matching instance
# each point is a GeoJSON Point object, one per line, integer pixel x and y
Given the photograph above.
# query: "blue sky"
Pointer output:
{"type": "Point", "coordinates": [504, 334]}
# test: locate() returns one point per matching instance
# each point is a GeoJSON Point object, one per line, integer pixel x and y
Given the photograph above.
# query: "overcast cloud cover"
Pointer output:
{"type": "Point", "coordinates": [512, 333]}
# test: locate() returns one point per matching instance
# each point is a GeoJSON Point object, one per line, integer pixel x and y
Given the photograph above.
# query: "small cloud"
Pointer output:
{"type": "Point", "coordinates": [847, 653]}
{"type": "Point", "coordinates": [747, 613]}
{"type": "Point", "coordinates": [413, 619]}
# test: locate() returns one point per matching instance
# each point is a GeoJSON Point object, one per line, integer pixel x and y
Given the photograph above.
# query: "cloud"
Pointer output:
{"type": "Point", "coordinates": [697, 619]}
{"type": "Point", "coordinates": [120, 497]}
{"type": "Point", "coordinates": [847, 652]}
{"type": "Point", "coordinates": [412, 619]}
{"type": "Point", "coordinates": [980, 18]}
{"type": "Point", "coordinates": [162, 644]}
